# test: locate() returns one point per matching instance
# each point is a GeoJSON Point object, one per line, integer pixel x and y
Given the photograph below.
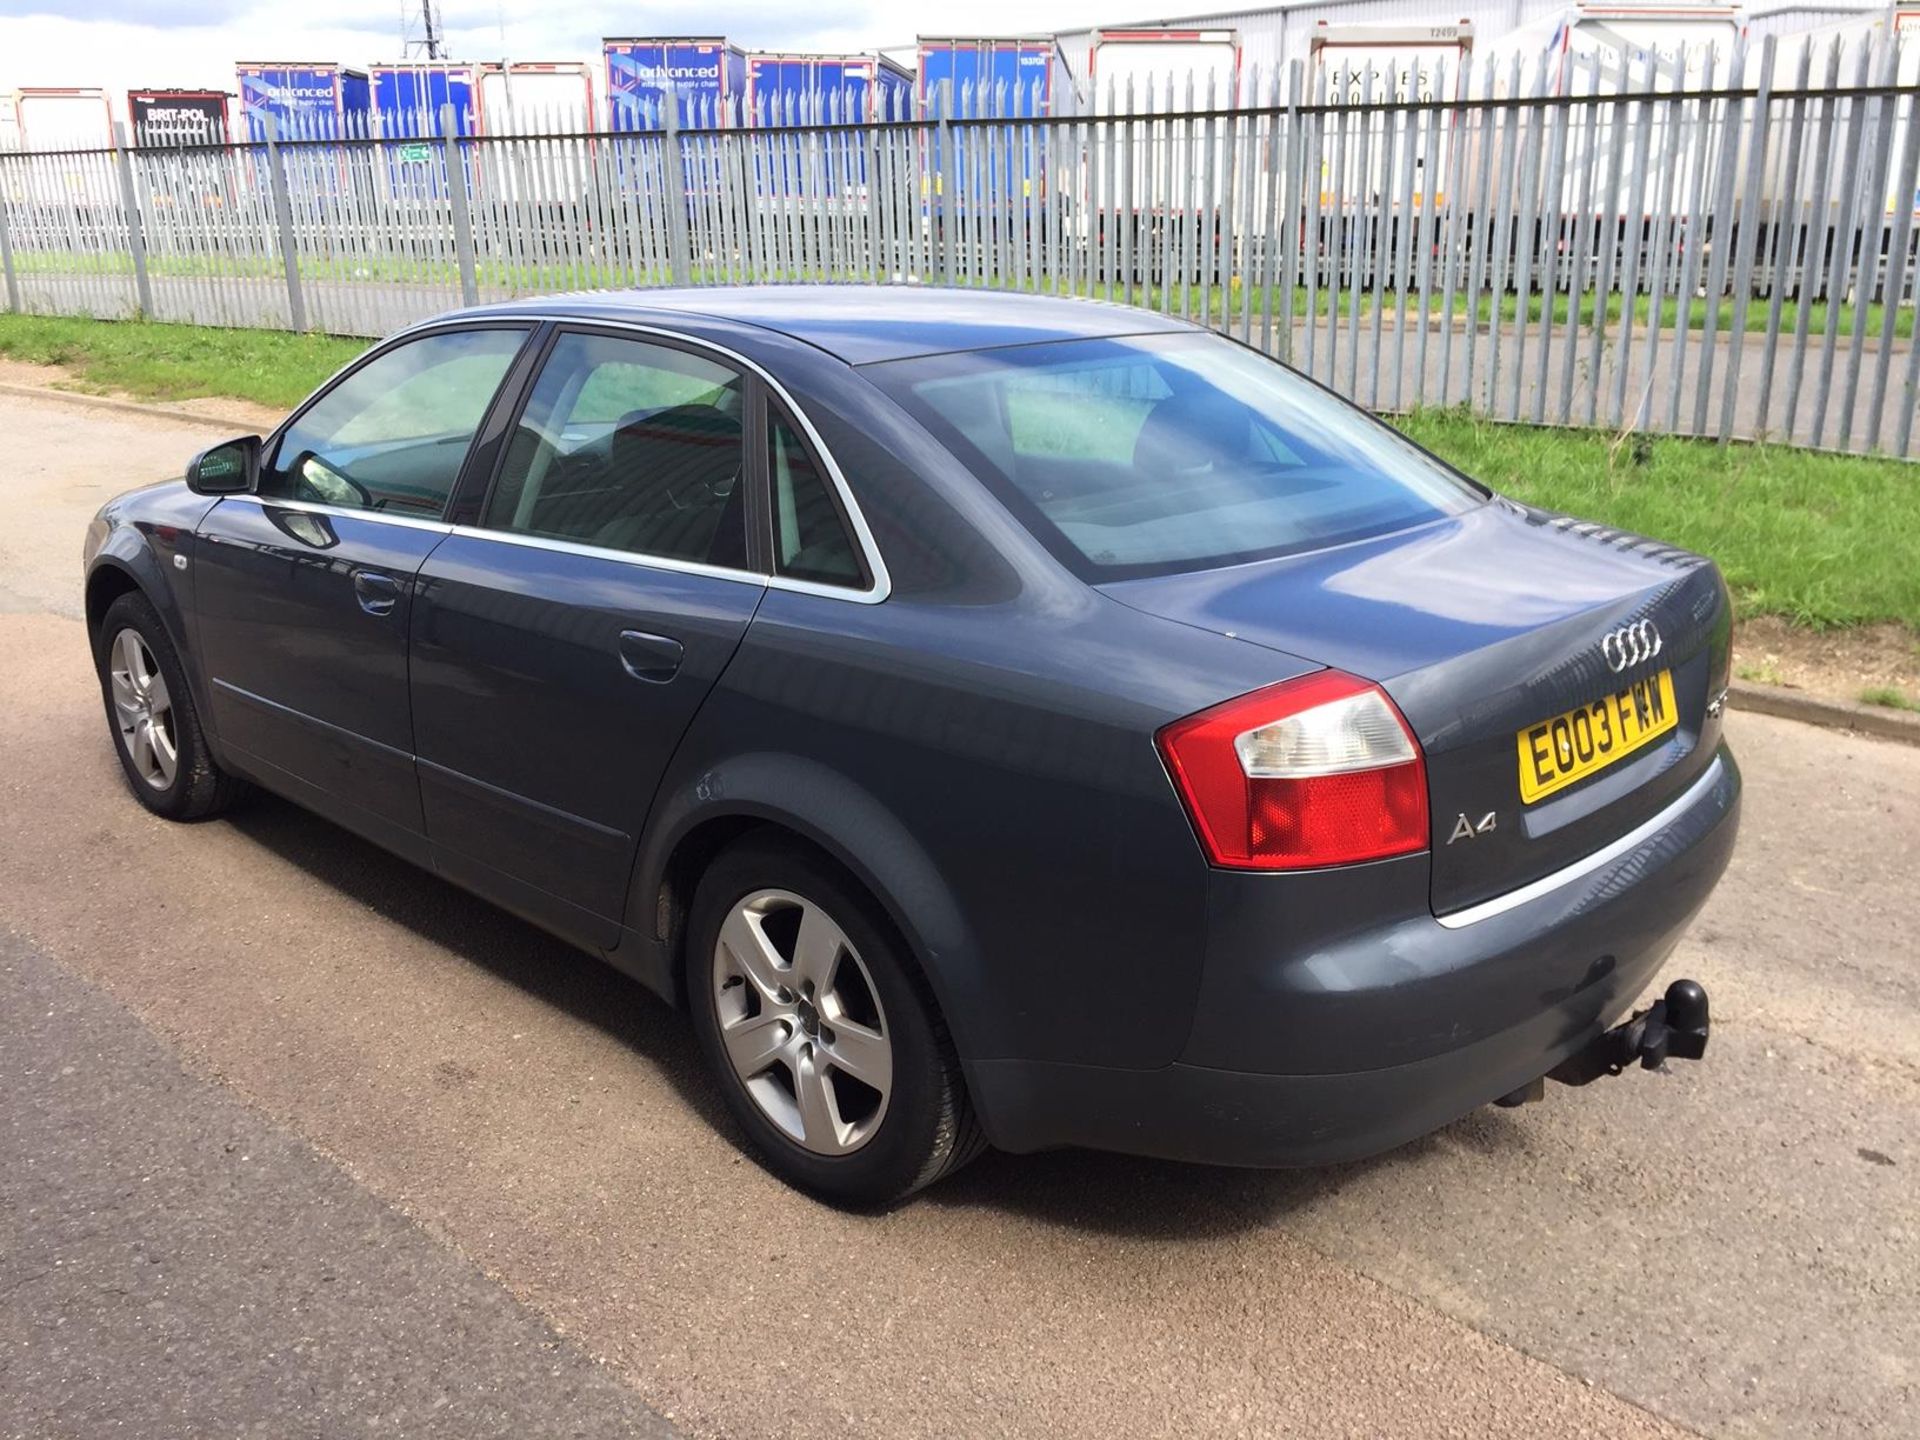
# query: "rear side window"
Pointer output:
{"type": "Point", "coordinates": [628, 445]}
{"type": "Point", "coordinates": [393, 435]}
{"type": "Point", "coordinates": [1151, 454]}
{"type": "Point", "coordinates": [810, 536]}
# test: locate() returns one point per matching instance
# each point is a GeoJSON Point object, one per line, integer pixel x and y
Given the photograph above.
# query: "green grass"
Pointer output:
{"type": "Point", "coordinates": [1231, 301]}
{"type": "Point", "coordinates": [1192, 301]}
{"type": "Point", "coordinates": [178, 362]}
{"type": "Point", "coordinates": [1887, 695]}
{"type": "Point", "coordinates": [1819, 539]}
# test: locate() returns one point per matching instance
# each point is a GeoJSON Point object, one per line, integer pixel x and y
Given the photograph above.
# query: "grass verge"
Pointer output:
{"type": "Point", "coordinates": [1892, 698]}
{"type": "Point", "coordinates": [178, 362]}
{"type": "Point", "coordinates": [1819, 539]}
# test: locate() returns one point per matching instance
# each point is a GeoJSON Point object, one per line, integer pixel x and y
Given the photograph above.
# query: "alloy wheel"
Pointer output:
{"type": "Point", "coordinates": [801, 1022]}
{"type": "Point", "coordinates": [143, 710]}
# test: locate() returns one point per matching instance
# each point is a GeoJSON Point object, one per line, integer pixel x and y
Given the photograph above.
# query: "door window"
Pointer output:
{"type": "Point", "coordinates": [629, 445]}
{"type": "Point", "coordinates": [392, 436]}
{"type": "Point", "coordinates": [810, 537]}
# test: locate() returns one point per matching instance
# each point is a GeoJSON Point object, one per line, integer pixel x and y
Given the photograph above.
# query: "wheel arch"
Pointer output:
{"type": "Point", "coordinates": [828, 813]}
{"type": "Point", "coordinates": [107, 582]}
{"type": "Point", "coordinates": [130, 557]}
{"type": "Point", "coordinates": [127, 565]}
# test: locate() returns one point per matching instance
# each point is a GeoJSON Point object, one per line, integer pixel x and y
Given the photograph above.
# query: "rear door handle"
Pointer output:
{"type": "Point", "coordinates": [377, 593]}
{"type": "Point", "coordinates": [655, 658]}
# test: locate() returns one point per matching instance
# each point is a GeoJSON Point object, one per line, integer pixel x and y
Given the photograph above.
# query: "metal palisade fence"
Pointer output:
{"type": "Point", "coordinates": [1709, 243]}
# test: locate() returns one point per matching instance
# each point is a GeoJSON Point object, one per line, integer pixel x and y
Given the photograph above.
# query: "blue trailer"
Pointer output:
{"type": "Point", "coordinates": [310, 99]}
{"type": "Point", "coordinates": [788, 89]}
{"type": "Point", "coordinates": [408, 96]}
{"type": "Point", "coordinates": [1014, 75]}
{"type": "Point", "coordinates": [854, 88]}
{"type": "Point", "coordinates": [1020, 73]}
{"type": "Point", "coordinates": [707, 75]}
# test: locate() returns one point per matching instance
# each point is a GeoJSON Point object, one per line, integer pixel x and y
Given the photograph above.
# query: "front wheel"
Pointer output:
{"type": "Point", "coordinates": [156, 730]}
{"type": "Point", "coordinates": [829, 1051]}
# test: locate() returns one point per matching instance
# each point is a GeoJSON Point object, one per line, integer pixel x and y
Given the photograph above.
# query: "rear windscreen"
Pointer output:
{"type": "Point", "coordinates": [1150, 454]}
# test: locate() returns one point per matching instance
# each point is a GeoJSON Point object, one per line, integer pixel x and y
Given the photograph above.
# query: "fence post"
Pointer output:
{"type": "Point", "coordinates": [6, 254]}
{"type": "Point", "coordinates": [456, 164]}
{"type": "Point", "coordinates": [283, 222]}
{"type": "Point", "coordinates": [130, 206]}
{"type": "Point", "coordinates": [676, 166]}
{"type": "Point", "coordinates": [943, 179]}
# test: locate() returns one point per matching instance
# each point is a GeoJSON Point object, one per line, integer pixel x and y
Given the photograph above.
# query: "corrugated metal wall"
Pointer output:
{"type": "Point", "coordinates": [1279, 33]}
{"type": "Point", "coordinates": [1763, 21]}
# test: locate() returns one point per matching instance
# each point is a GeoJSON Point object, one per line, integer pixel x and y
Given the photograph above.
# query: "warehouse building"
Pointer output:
{"type": "Point", "coordinates": [1277, 34]}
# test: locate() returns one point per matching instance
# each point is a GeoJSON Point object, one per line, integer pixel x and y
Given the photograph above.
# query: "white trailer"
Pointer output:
{"type": "Point", "coordinates": [1156, 63]}
{"type": "Point", "coordinates": [1389, 65]}
{"type": "Point", "coordinates": [526, 97]}
{"type": "Point", "coordinates": [1615, 193]}
{"type": "Point", "coordinates": [1172, 200]}
{"type": "Point", "coordinates": [1407, 61]}
{"type": "Point", "coordinates": [533, 98]}
{"type": "Point", "coordinates": [1618, 48]}
{"type": "Point", "coordinates": [1889, 45]}
{"type": "Point", "coordinates": [67, 201]}
{"type": "Point", "coordinates": [63, 118]}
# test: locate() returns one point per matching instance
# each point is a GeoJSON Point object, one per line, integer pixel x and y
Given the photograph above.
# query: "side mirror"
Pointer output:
{"type": "Point", "coordinates": [230, 468]}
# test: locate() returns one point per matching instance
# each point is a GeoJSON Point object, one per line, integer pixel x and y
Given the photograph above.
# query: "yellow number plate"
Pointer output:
{"type": "Point", "coordinates": [1557, 752]}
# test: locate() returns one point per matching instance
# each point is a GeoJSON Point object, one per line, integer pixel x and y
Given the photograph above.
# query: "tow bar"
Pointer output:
{"type": "Point", "coordinates": [1674, 1027]}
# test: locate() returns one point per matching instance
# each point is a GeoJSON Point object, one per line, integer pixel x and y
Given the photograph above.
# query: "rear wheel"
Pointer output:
{"type": "Point", "coordinates": [828, 1049]}
{"type": "Point", "coordinates": [156, 730]}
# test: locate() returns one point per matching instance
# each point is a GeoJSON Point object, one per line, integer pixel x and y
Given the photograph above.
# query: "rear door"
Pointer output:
{"type": "Point", "coordinates": [562, 642]}
{"type": "Point", "coordinates": [304, 589]}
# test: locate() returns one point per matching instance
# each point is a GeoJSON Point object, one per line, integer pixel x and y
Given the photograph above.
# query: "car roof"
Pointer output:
{"type": "Point", "coordinates": [861, 324]}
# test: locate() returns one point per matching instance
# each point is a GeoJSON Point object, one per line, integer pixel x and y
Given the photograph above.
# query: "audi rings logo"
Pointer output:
{"type": "Point", "coordinates": [1633, 644]}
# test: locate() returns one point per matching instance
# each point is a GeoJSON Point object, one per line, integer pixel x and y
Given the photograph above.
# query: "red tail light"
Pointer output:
{"type": "Point", "coordinates": [1321, 770]}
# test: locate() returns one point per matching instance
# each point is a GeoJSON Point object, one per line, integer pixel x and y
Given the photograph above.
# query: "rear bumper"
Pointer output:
{"type": "Point", "coordinates": [1320, 1039]}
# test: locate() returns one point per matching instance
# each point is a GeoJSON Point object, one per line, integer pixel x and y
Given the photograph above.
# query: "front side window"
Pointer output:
{"type": "Point", "coordinates": [1145, 455]}
{"type": "Point", "coordinates": [392, 436]}
{"type": "Point", "coordinates": [628, 445]}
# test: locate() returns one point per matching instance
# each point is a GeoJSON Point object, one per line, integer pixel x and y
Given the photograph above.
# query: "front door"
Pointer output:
{"type": "Point", "coordinates": [562, 645]}
{"type": "Point", "coordinates": [304, 589]}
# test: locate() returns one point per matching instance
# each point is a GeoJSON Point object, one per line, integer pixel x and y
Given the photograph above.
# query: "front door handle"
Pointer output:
{"type": "Point", "coordinates": [377, 593]}
{"type": "Point", "coordinates": [655, 658]}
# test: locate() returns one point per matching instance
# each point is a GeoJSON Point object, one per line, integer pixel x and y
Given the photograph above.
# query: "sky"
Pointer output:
{"type": "Point", "coordinates": [140, 44]}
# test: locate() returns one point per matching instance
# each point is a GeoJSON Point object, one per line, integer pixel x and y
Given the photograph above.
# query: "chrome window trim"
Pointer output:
{"type": "Point", "coordinates": [1546, 884]}
{"type": "Point", "coordinates": [605, 552]}
{"type": "Point", "coordinates": [313, 507]}
{"type": "Point", "coordinates": [882, 582]}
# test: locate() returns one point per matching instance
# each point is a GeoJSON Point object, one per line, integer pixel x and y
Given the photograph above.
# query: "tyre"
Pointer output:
{"type": "Point", "coordinates": [150, 713]}
{"type": "Point", "coordinates": [823, 1036]}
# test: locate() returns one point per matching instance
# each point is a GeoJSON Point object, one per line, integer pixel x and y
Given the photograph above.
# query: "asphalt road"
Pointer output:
{"type": "Point", "coordinates": [175, 1264]}
{"type": "Point", "coordinates": [1729, 1249]}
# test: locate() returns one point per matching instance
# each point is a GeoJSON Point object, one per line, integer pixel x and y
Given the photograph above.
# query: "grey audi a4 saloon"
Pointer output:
{"type": "Point", "coordinates": [996, 720]}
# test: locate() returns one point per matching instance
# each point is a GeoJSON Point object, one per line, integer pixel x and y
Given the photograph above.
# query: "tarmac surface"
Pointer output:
{"type": "Point", "coordinates": [176, 1264]}
{"type": "Point", "coordinates": [1729, 1249]}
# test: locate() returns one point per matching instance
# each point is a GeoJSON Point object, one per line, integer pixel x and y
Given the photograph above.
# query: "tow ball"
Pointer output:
{"type": "Point", "coordinates": [1674, 1027]}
